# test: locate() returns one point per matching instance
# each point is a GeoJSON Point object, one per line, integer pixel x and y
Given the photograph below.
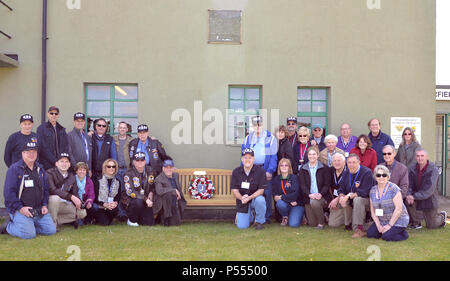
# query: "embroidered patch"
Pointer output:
{"type": "Point", "coordinates": [151, 179]}
{"type": "Point", "coordinates": [136, 182]}
{"type": "Point", "coordinates": [126, 178]}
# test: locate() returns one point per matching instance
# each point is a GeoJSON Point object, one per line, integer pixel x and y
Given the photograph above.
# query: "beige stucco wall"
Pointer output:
{"type": "Point", "coordinates": [378, 63]}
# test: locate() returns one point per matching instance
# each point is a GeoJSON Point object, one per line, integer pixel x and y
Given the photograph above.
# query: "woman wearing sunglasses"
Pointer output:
{"type": "Point", "coordinates": [388, 211]}
{"type": "Point", "coordinates": [107, 193]}
{"type": "Point", "coordinates": [301, 147]}
{"type": "Point", "coordinates": [408, 146]}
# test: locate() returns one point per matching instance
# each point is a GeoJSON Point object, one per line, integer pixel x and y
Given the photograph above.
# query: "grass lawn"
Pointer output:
{"type": "Point", "coordinates": [221, 241]}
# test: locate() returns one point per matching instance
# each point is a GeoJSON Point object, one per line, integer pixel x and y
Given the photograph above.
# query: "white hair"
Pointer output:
{"type": "Point", "coordinates": [330, 137]}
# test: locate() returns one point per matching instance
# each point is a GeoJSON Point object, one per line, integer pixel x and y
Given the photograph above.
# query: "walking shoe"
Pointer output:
{"type": "Point", "coordinates": [75, 224]}
{"type": "Point", "coordinates": [132, 223]}
{"type": "Point", "coordinates": [258, 226]}
{"type": "Point", "coordinates": [4, 225]}
{"type": "Point", "coordinates": [415, 226]}
{"type": "Point", "coordinates": [358, 233]}
{"type": "Point", "coordinates": [284, 221]}
{"type": "Point", "coordinates": [444, 218]}
{"type": "Point", "coordinates": [320, 227]}
{"type": "Point", "coordinates": [348, 227]}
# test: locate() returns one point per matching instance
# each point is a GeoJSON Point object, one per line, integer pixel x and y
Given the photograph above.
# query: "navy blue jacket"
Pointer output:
{"type": "Point", "coordinates": [14, 145]}
{"type": "Point", "coordinates": [293, 192]}
{"type": "Point", "coordinates": [365, 179]}
{"type": "Point", "coordinates": [13, 180]}
{"type": "Point", "coordinates": [48, 151]}
{"type": "Point", "coordinates": [378, 143]}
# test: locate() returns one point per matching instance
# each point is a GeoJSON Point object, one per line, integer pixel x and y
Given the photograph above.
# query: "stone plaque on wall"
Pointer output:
{"type": "Point", "coordinates": [225, 26]}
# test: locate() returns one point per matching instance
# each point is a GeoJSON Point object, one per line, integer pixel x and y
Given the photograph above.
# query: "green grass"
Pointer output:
{"type": "Point", "coordinates": [217, 241]}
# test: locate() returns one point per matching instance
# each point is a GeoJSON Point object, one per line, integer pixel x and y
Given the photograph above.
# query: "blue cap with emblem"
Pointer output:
{"type": "Point", "coordinates": [31, 145]}
{"type": "Point", "coordinates": [248, 151]}
{"type": "Point", "coordinates": [168, 163]}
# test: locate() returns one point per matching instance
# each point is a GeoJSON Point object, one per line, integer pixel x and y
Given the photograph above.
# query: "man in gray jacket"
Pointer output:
{"type": "Point", "coordinates": [422, 192]}
{"type": "Point", "coordinates": [80, 144]}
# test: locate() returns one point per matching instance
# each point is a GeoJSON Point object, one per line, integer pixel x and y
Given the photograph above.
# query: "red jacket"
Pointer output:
{"type": "Point", "coordinates": [368, 159]}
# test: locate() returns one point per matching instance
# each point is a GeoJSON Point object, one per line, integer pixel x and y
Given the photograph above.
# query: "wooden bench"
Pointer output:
{"type": "Point", "coordinates": [221, 179]}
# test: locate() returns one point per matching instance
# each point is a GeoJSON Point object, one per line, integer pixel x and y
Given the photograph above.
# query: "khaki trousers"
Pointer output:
{"type": "Point", "coordinates": [340, 216]}
{"type": "Point", "coordinates": [360, 207]}
{"type": "Point", "coordinates": [432, 218]}
{"type": "Point", "coordinates": [314, 212]}
{"type": "Point", "coordinates": [63, 212]}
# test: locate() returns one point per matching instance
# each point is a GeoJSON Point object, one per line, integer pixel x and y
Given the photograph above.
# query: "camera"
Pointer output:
{"type": "Point", "coordinates": [36, 212]}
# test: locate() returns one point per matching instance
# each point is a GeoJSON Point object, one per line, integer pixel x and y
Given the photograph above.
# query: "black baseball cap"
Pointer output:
{"type": "Point", "coordinates": [248, 151]}
{"type": "Point", "coordinates": [31, 145]}
{"type": "Point", "coordinates": [26, 117]}
{"type": "Point", "coordinates": [292, 118]}
{"type": "Point", "coordinates": [63, 154]}
{"type": "Point", "coordinates": [139, 156]}
{"type": "Point", "coordinates": [142, 128]}
{"type": "Point", "coordinates": [79, 115]}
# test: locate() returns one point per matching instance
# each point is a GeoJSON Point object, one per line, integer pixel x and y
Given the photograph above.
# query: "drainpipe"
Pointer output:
{"type": "Point", "coordinates": [44, 61]}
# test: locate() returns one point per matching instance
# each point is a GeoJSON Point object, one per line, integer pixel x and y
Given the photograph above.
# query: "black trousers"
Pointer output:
{"type": "Point", "coordinates": [139, 212]}
{"type": "Point", "coordinates": [105, 217]}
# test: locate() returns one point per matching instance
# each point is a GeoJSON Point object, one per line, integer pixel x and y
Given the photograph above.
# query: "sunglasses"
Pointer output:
{"type": "Point", "coordinates": [317, 129]}
{"type": "Point", "coordinates": [111, 167]}
{"type": "Point", "coordinates": [99, 125]}
{"type": "Point", "coordinates": [407, 134]}
{"type": "Point", "coordinates": [54, 113]}
{"type": "Point", "coordinates": [388, 153]}
{"type": "Point", "coordinates": [302, 136]}
{"type": "Point", "coordinates": [381, 175]}
{"type": "Point", "coordinates": [289, 124]}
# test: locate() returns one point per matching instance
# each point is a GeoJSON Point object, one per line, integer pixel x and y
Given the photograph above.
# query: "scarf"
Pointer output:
{"type": "Point", "coordinates": [105, 191]}
{"type": "Point", "coordinates": [81, 187]}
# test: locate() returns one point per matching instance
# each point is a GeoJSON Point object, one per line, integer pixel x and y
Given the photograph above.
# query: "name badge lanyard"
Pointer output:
{"type": "Point", "coordinates": [284, 186]}
{"type": "Point", "coordinates": [337, 182]}
{"type": "Point", "coordinates": [350, 179]}
{"type": "Point", "coordinates": [345, 145]}
{"type": "Point", "coordinates": [302, 152]}
{"type": "Point", "coordinates": [379, 197]}
{"type": "Point", "coordinates": [294, 139]}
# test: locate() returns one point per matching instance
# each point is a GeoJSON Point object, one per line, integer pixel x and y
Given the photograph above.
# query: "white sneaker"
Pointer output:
{"type": "Point", "coordinates": [132, 223]}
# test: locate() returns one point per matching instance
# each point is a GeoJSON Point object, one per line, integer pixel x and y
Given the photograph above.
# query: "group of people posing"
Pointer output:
{"type": "Point", "coordinates": [81, 177]}
{"type": "Point", "coordinates": [344, 181]}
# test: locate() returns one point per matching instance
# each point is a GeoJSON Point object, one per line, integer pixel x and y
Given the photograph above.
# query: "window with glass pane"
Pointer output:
{"type": "Point", "coordinates": [312, 106]}
{"type": "Point", "coordinates": [243, 102]}
{"type": "Point", "coordinates": [114, 102]}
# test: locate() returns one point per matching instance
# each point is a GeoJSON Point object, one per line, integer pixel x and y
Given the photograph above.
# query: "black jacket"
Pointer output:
{"type": "Point", "coordinates": [293, 192]}
{"type": "Point", "coordinates": [155, 150]}
{"type": "Point", "coordinates": [285, 150]}
{"type": "Point", "coordinates": [298, 155]}
{"type": "Point", "coordinates": [48, 151]}
{"type": "Point", "coordinates": [322, 178]}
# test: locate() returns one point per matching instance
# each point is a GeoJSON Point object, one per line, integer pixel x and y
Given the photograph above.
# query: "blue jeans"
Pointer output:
{"type": "Point", "coordinates": [294, 213]}
{"type": "Point", "coordinates": [394, 234]}
{"type": "Point", "coordinates": [26, 228]}
{"type": "Point", "coordinates": [268, 197]}
{"type": "Point", "coordinates": [258, 204]}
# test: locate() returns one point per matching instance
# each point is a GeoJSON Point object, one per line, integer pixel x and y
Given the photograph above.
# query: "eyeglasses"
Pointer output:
{"type": "Point", "coordinates": [111, 167]}
{"type": "Point", "coordinates": [54, 113]}
{"type": "Point", "coordinates": [317, 129]}
{"type": "Point", "coordinates": [407, 134]}
{"type": "Point", "coordinates": [381, 175]}
{"type": "Point", "coordinates": [291, 124]}
{"type": "Point", "coordinates": [284, 165]}
{"type": "Point", "coordinates": [388, 153]}
{"type": "Point", "coordinates": [100, 125]}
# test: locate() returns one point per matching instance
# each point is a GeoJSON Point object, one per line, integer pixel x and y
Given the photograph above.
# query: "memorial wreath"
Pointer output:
{"type": "Point", "coordinates": [201, 187]}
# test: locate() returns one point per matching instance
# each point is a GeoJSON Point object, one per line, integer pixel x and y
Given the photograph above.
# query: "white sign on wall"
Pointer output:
{"type": "Point", "coordinates": [442, 94]}
{"type": "Point", "coordinates": [398, 124]}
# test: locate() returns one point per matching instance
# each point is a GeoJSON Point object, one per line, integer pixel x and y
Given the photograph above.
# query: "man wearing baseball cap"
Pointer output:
{"type": "Point", "coordinates": [265, 147]}
{"type": "Point", "coordinates": [248, 183]}
{"type": "Point", "coordinates": [154, 151]}
{"type": "Point", "coordinates": [65, 205]}
{"type": "Point", "coordinates": [26, 194]}
{"type": "Point", "coordinates": [52, 139]}
{"type": "Point", "coordinates": [80, 143]}
{"type": "Point", "coordinates": [291, 123]}
{"type": "Point", "coordinates": [318, 136]}
{"type": "Point", "coordinates": [16, 141]}
{"type": "Point", "coordinates": [139, 186]}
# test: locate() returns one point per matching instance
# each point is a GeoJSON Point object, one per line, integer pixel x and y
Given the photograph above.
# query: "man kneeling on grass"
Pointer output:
{"type": "Point", "coordinates": [26, 195]}
{"type": "Point", "coordinates": [138, 193]}
{"type": "Point", "coordinates": [248, 183]}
